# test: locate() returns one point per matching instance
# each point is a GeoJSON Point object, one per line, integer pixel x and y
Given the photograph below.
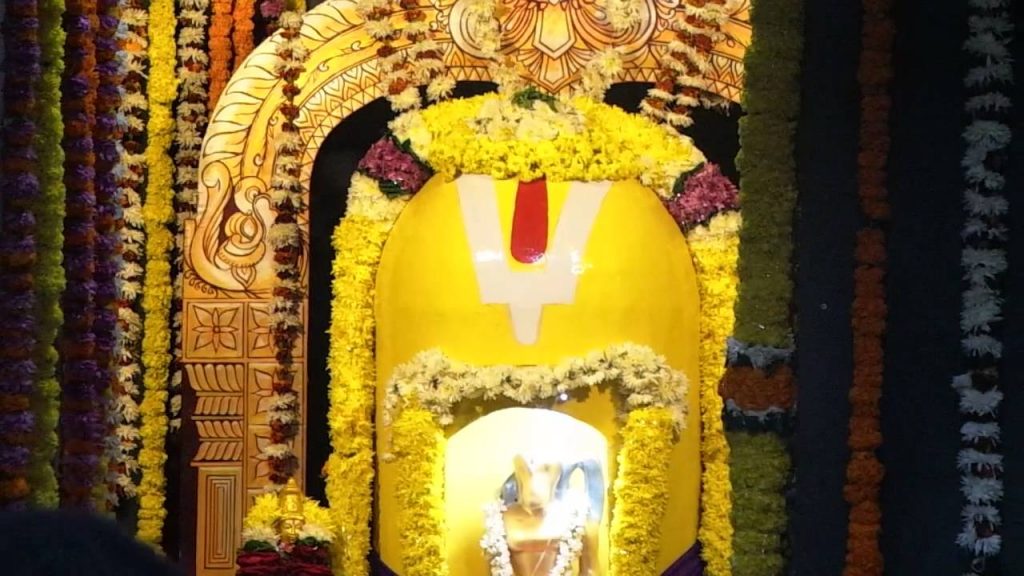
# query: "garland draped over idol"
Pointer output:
{"type": "Point", "coordinates": [396, 167]}
{"type": "Point", "coordinates": [983, 259]}
{"type": "Point", "coordinates": [758, 387]}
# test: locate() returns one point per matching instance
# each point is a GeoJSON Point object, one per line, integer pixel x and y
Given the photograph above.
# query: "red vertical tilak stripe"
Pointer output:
{"type": "Point", "coordinates": [530, 222]}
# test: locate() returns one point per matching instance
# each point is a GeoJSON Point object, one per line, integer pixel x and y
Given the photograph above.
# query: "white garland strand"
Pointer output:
{"type": "Point", "coordinates": [983, 260]}
{"type": "Point", "coordinates": [124, 414]}
{"type": "Point", "coordinates": [191, 119]}
{"type": "Point", "coordinates": [496, 548]}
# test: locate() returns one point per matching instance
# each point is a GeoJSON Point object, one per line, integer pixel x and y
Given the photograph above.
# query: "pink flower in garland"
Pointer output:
{"type": "Point", "coordinates": [398, 171]}
{"type": "Point", "coordinates": [705, 193]}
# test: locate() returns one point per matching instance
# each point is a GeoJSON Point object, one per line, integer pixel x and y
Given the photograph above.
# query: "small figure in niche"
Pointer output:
{"type": "Point", "coordinates": [549, 526]}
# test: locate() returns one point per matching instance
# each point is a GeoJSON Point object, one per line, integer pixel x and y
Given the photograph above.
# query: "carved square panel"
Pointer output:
{"type": "Point", "coordinates": [258, 339]}
{"type": "Point", "coordinates": [213, 331]}
{"type": "Point", "coordinates": [219, 519]}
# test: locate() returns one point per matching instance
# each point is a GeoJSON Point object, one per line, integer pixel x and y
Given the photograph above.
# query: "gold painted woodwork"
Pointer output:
{"type": "Point", "coordinates": [227, 348]}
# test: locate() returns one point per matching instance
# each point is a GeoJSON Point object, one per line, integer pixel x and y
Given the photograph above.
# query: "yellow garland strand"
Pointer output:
{"type": "Point", "coordinates": [641, 491]}
{"type": "Point", "coordinates": [715, 248]}
{"type": "Point", "coordinates": [419, 444]}
{"type": "Point", "coordinates": [583, 140]}
{"type": "Point", "coordinates": [358, 242]}
{"type": "Point", "coordinates": [158, 213]}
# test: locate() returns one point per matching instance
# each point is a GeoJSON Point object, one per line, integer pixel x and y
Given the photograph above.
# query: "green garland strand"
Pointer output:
{"type": "Point", "coordinates": [49, 271]}
{"type": "Point", "coordinates": [760, 464]}
{"type": "Point", "coordinates": [768, 188]}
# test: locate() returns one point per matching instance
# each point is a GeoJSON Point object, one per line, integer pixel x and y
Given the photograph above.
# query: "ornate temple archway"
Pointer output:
{"type": "Point", "coordinates": [227, 349]}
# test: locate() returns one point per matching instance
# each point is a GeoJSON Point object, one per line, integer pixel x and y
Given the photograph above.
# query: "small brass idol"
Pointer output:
{"type": "Point", "coordinates": [292, 520]}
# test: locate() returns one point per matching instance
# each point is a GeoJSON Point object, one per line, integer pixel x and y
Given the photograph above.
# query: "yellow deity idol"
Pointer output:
{"type": "Point", "coordinates": [502, 272]}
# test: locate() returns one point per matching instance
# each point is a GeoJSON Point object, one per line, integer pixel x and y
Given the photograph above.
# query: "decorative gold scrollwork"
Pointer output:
{"type": "Point", "coordinates": [228, 242]}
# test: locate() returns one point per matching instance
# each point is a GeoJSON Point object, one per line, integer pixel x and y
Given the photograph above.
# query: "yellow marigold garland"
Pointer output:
{"type": "Point", "coordinates": [714, 249]}
{"type": "Point", "coordinates": [359, 242]}
{"type": "Point", "coordinates": [158, 213]}
{"type": "Point", "coordinates": [580, 140]}
{"type": "Point", "coordinates": [419, 444]}
{"type": "Point", "coordinates": [641, 491]}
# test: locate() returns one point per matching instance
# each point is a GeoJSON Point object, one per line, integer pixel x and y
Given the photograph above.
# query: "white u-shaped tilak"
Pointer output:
{"type": "Point", "coordinates": [553, 279]}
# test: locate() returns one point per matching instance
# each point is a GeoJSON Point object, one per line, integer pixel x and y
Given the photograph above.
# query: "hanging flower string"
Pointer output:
{"type": "Point", "coordinates": [192, 117]}
{"type": "Point", "coordinates": [108, 133]}
{"type": "Point", "coordinates": [242, 30]}
{"type": "Point", "coordinates": [49, 270]}
{"type": "Point", "coordinates": [221, 51]}
{"type": "Point", "coordinates": [158, 214]}
{"type": "Point", "coordinates": [984, 262]}
{"type": "Point", "coordinates": [864, 471]}
{"type": "Point", "coordinates": [758, 388]}
{"type": "Point", "coordinates": [286, 239]}
{"type": "Point", "coordinates": [18, 251]}
{"type": "Point", "coordinates": [82, 427]}
{"type": "Point", "coordinates": [124, 413]}
{"type": "Point", "coordinates": [681, 82]}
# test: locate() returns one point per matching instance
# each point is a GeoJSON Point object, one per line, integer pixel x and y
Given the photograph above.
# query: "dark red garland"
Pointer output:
{"type": "Point", "coordinates": [18, 249]}
{"type": "Point", "coordinates": [107, 133]}
{"type": "Point", "coordinates": [288, 293]}
{"type": "Point", "coordinates": [82, 426]}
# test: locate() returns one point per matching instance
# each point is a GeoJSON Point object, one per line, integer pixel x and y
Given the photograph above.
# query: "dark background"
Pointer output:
{"type": "Point", "coordinates": [921, 500]}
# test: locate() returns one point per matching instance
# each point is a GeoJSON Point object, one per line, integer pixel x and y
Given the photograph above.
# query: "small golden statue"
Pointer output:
{"type": "Point", "coordinates": [292, 519]}
{"type": "Point", "coordinates": [540, 509]}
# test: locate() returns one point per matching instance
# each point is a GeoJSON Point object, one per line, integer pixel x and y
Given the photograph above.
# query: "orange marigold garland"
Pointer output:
{"type": "Point", "coordinates": [221, 51]}
{"type": "Point", "coordinates": [242, 32]}
{"type": "Point", "coordinates": [864, 471]}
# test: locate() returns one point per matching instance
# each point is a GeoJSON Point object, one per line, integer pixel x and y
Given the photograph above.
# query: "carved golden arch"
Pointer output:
{"type": "Point", "coordinates": [228, 353]}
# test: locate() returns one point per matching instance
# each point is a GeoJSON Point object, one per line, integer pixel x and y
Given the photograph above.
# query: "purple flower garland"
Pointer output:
{"type": "Point", "coordinates": [82, 427]}
{"type": "Point", "coordinates": [18, 250]}
{"type": "Point", "coordinates": [108, 199]}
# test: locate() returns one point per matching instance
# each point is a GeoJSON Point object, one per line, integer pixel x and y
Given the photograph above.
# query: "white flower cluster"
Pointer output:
{"type": "Point", "coordinates": [983, 260]}
{"type": "Point", "coordinates": [494, 541]}
{"type": "Point", "coordinates": [500, 119]}
{"type": "Point", "coordinates": [439, 384]}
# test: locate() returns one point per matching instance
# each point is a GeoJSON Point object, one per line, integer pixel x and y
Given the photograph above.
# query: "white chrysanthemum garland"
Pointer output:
{"type": "Point", "coordinates": [983, 259]}
{"type": "Point", "coordinates": [438, 384]}
{"type": "Point", "coordinates": [495, 541]}
{"type": "Point", "coordinates": [124, 413]}
{"type": "Point", "coordinates": [285, 236]}
{"type": "Point", "coordinates": [191, 118]}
